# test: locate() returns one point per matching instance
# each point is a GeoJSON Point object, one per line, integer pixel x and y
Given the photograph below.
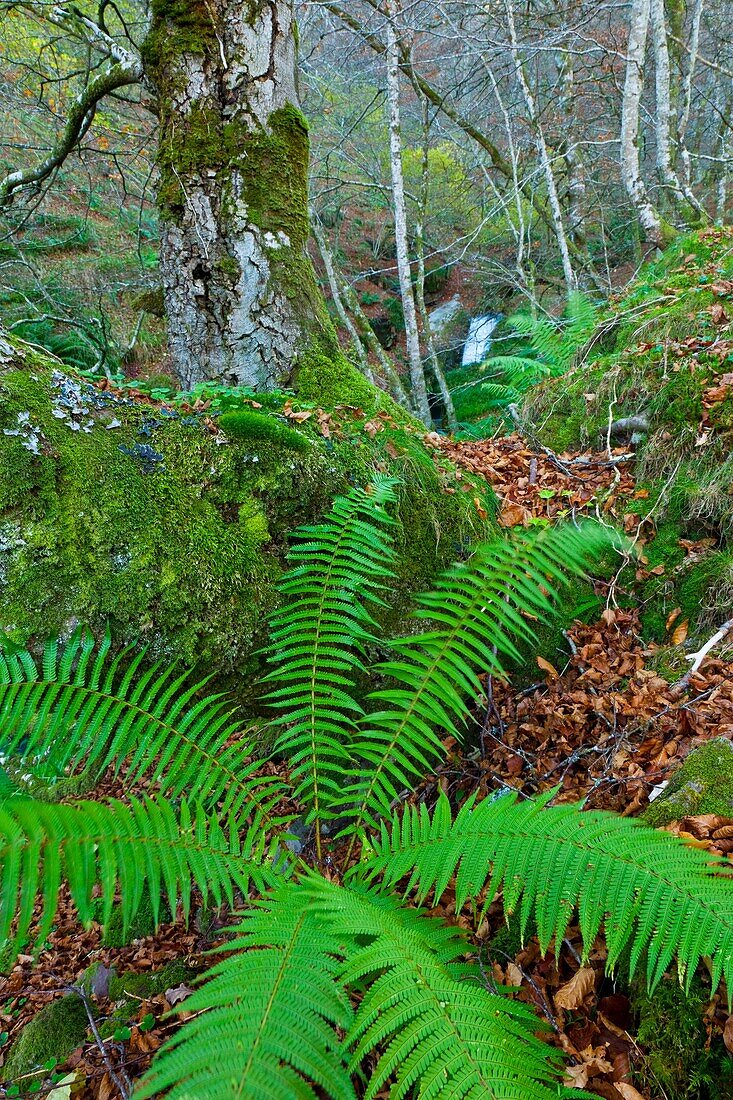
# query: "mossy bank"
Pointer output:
{"type": "Point", "coordinates": [115, 508]}
{"type": "Point", "coordinates": [662, 358]}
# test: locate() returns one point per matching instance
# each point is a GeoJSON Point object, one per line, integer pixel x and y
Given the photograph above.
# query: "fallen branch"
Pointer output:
{"type": "Point", "coordinates": [698, 658]}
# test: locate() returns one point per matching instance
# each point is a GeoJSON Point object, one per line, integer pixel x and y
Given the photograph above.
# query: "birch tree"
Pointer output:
{"type": "Point", "coordinates": [419, 394]}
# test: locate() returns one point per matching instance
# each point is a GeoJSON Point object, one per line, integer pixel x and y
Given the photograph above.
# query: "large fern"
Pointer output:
{"type": "Point", "coordinates": [274, 1017]}
{"type": "Point", "coordinates": [78, 710]}
{"type": "Point", "coordinates": [646, 889]}
{"type": "Point", "coordinates": [472, 617]}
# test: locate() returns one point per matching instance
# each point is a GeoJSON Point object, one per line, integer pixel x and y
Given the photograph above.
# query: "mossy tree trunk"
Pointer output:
{"type": "Point", "coordinates": [240, 294]}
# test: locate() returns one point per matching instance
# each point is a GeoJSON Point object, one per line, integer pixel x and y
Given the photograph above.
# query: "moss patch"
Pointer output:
{"type": "Point", "coordinates": [51, 1035]}
{"type": "Point", "coordinates": [679, 1061]}
{"type": "Point", "coordinates": [146, 517]}
{"type": "Point", "coordinates": [257, 427]}
{"type": "Point", "coordinates": [703, 785]}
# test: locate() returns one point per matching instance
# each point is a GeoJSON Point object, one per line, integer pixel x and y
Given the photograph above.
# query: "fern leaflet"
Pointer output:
{"type": "Point", "coordinates": [647, 889]}
{"type": "Point", "coordinates": [125, 848]}
{"type": "Point", "coordinates": [319, 635]}
{"type": "Point", "coordinates": [81, 710]}
{"type": "Point", "coordinates": [272, 1009]}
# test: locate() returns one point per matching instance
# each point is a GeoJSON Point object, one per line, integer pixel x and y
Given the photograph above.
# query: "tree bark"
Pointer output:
{"type": "Point", "coordinates": [649, 218]}
{"type": "Point", "coordinates": [682, 197]}
{"type": "Point", "coordinates": [419, 395]}
{"type": "Point", "coordinates": [571, 281]}
{"type": "Point", "coordinates": [240, 293]}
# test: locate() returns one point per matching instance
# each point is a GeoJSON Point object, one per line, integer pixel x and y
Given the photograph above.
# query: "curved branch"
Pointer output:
{"type": "Point", "coordinates": [118, 75]}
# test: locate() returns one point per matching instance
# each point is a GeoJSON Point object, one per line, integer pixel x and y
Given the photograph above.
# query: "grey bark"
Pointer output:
{"type": "Point", "coordinates": [240, 294]}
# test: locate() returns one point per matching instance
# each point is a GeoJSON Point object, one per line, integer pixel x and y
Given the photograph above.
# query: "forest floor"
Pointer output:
{"type": "Point", "coordinates": [599, 722]}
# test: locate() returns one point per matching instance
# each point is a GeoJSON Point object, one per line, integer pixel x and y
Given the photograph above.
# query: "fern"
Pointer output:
{"type": "Point", "coordinates": [123, 848]}
{"type": "Point", "coordinates": [647, 889]}
{"type": "Point", "coordinates": [80, 709]}
{"type": "Point", "coordinates": [476, 610]}
{"type": "Point", "coordinates": [552, 347]}
{"type": "Point", "coordinates": [273, 1007]}
{"type": "Point", "coordinates": [275, 1017]}
{"type": "Point", "coordinates": [319, 637]}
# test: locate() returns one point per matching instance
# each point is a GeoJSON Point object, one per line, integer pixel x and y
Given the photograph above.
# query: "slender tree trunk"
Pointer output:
{"type": "Point", "coordinates": [571, 148]}
{"type": "Point", "coordinates": [450, 412]}
{"type": "Point", "coordinates": [544, 155]}
{"type": "Point", "coordinates": [649, 218]}
{"type": "Point", "coordinates": [684, 119]}
{"type": "Point", "coordinates": [240, 293]}
{"type": "Point", "coordinates": [419, 393]}
{"type": "Point", "coordinates": [334, 284]}
{"type": "Point", "coordinates": [682, 197]}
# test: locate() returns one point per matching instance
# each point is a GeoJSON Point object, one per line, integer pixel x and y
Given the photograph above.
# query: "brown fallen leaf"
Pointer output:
{"type": "Point", "coordinates": [679, 634]}
{"type": "Point", "coordinates": [728, 1033]}
{"type": "Point", "coordinates": [547, 667]}
{"type": "Point", "coordinates": [574, 992]}
{"type": "Point", "coordinates": [627, 1091]}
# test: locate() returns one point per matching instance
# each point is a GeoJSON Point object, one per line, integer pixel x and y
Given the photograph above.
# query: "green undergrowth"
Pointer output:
{"type": "Point", "coordinates": [664, 352]}
{"type": "Point", "coordinates": [152, 518]}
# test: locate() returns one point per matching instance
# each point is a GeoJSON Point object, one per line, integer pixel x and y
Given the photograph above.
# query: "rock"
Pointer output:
{"type": "Point", "coordinates": [53, 1033]}
{"type": "Point", "coordinates": [703, 785]}
{"type": "Point", "coordinates": [173, 532]}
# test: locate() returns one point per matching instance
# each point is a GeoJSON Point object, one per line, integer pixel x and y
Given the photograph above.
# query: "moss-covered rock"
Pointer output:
{"type": "Point", "coordinates": [148, 517]}
{"type": "Point", "coordinates": [136, 987]}
{"type": "Point", "coordinates": [703, 785]}
{"type": "Point", "coordinates": [51, 1035]}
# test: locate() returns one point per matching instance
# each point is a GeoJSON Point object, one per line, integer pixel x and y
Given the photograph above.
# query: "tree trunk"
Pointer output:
{"type": "Point", "coordinates": [683, 200]}
{"type": "Point", "coordinates": [419, 393]}
{"type": "Point", "coordinates": [240, 293]}
{"type": "Point", "coordinates": [571, 281]}
{"type": "Point", "coordinates": [649, 219]}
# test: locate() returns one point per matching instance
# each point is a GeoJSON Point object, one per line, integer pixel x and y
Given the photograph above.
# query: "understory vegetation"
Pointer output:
{"type": "Point", "coordinates": [277, 1008]}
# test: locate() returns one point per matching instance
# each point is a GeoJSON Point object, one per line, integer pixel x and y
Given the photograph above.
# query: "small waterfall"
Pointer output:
{"type": "Point", "coordinates": [478, 341]}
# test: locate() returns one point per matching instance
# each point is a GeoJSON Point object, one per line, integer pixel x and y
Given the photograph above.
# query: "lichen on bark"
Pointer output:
{"type": "Point", "coordinates": [241, 296]}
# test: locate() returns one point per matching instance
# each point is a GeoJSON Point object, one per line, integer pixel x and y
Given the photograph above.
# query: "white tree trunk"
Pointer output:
{"type": "Point", "coordinates": [687, 93]}
{"type": "Point", "coordinates": [544, 155]}
{"type": "Point", "coordinates": [682, 197]}
{"type": "Point", "coordinates": [419, 394]}
{"type": "Point", "coordinates": [649, 219]}
{"type": "Point", "coordinates": [571, 149]}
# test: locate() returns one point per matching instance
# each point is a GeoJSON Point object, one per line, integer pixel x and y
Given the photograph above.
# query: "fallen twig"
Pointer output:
{"type": "Point", "coordinates": [698, 658]}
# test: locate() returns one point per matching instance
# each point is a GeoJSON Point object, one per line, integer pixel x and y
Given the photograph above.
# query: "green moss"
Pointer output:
{"type": "Point", "coordinates": [254, 426]}
{"type": "Point", "coordinates": [150, 301]}
{"type": "Point", "coordinates": [330, 379]}
{"type": "Point", "coordinates": [143, 923]}
{"type": "Point", "coordinates": [679, 1062]}
{"type": "Point", "coordinates": [52, 1034]}
{"type": "Point", "coordinates": [183, 554]}
{"type": "Point", "coordinates": [703, 785]}
{"type": "Point", "coordinates": [134, 986]}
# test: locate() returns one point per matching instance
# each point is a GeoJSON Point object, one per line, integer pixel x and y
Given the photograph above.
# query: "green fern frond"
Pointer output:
{"type": "Point", "coordinates": [267, 1016]}
{"type": "Point", "coordinates": [475, 613]}
{"type": "Point", "coordinates": [646, 888]}
{"type": "Point", "coordinates": [81, 709]}
{"type": "Point", "coordinates": [437, 1032]}
{"type": "Point", "coordinates": [319, 635]}
{"type": "Point", "coordinates": [123, 848]}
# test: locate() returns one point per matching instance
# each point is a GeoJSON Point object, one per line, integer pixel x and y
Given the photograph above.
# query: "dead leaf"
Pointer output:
{"type": "Point", "coordinates": [574, 992]}
{"type": "Point", "coordinates": [718, 314]}
{"type": "Point", "coordinates": [511, 515]}
{"type": "Point", "coordinates": [177, 994]}
{"type": "Point", "coordinates": [680, 632]}
{"type": "Point", "coordinates": [671, 617]}
{"type": "Point", "coordinates": [514, 975]}
{"type": "Point", "coordinates": [483, 514]}
{"type": "Point", "coordinates": [547, 667]}
{"type": "Point", "coordinates": [627, 1091]}
{"type": "Point", "coordinates": [728, 1033]}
